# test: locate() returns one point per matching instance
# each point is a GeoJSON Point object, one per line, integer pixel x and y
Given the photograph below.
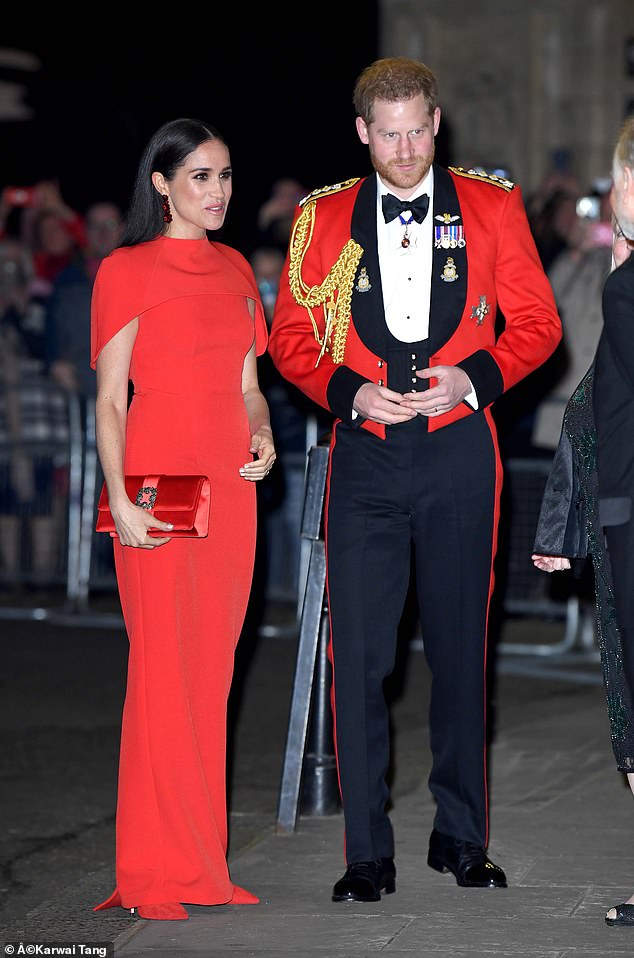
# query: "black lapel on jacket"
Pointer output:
{"type": "Point", "coordinates": [367, 296]}
{"type": "Point", "coordinates": [448, 295]}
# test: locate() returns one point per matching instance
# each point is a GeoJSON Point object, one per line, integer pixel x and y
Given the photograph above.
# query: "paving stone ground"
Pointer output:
{"type": "Point", "coordinates": [562, 818]}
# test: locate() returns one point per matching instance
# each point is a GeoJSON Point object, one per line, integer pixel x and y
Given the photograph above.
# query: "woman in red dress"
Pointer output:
{"type": "Point", "coordinates": [180, 316]}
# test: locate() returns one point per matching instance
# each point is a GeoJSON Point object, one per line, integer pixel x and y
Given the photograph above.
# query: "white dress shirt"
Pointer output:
{"type": "Point", "coordinates": [406, 272]}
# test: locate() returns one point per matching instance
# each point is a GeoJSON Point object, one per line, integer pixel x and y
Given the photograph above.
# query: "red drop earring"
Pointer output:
{"type": "Point", "coordinates": [167, 213]}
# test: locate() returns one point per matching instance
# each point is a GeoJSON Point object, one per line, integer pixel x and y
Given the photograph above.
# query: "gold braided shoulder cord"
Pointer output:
{"type": "Point", "coordinates": [334, 293]}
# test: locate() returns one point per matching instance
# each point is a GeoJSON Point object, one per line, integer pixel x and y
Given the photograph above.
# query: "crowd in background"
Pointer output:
{"type": "Point", "coordinates": [49, 255]}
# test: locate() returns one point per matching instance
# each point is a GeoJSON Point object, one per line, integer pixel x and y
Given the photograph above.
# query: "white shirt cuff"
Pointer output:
{"type": "Point", "coordinates": [472, 398]}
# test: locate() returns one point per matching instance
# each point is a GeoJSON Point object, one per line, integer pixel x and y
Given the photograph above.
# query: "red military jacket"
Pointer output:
{"type": "Point", "coordinates": [328, 334]}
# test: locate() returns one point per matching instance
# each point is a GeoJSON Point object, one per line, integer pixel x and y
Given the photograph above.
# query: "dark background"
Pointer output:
{"type": "Point", "coordinates": [277, 83]}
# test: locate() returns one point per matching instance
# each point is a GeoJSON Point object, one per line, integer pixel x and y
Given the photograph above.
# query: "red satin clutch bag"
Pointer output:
{"type": "Point", "coordinates": [182, 500]}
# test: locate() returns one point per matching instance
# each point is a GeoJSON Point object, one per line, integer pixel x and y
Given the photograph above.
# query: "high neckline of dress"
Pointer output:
{"type": "Point", "coordinates": [182, 239]}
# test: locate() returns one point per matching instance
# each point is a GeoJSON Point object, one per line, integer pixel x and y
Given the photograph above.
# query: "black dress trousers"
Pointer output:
{"type": "Point", "coordinates": [433, 492]}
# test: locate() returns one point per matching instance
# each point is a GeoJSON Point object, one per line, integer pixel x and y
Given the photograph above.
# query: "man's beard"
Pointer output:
{"type": "Point", "coordinates": [399, 179]}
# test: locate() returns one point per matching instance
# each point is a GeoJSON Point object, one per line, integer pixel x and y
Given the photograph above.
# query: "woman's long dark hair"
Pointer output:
{"type": "Point", "coordinates": [166, 151]}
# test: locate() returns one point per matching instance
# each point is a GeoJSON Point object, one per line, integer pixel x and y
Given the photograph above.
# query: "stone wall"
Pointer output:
{"type": "Point", "coordinates": [524, 84]}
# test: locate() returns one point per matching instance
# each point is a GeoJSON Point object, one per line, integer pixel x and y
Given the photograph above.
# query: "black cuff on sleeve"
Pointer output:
{"type": "Point", "coordinates": [485, 375]}
{"type": "Point", "coordinates": [342, 388]}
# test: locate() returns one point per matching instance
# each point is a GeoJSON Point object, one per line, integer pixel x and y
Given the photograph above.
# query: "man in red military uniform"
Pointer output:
{"type": "Point", "coordinates": [386, 316]}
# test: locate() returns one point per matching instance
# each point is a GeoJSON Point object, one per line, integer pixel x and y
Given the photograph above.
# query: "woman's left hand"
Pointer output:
{"type": "Point", "coordinates": [261, 446]}
{"type": "Point", "coordinates": [550, 563]}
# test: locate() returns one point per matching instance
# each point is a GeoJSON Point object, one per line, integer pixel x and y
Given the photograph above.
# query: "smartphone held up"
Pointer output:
{"type": "Point", "coordinates": [598, 231]}
{"type": "Point", "coordinates": [19, 196]}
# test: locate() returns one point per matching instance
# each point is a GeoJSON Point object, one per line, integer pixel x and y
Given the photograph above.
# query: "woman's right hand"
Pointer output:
{"type": "Point", "coordinates": [133, 524]}
{"type": "Point", "coordinates": [551, 563]}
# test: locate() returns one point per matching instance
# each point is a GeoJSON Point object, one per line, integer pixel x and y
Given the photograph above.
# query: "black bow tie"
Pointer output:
{"type": "Point", "coordinates": [393, 207]}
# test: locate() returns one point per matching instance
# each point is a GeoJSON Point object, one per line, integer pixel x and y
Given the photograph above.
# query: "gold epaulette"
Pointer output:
{"type": "Point", "coordinates": [328, 190]}
{"type": "Point", "coordinates": [491, 178]}
{"type": "Point", "coordinates": [334, 293]}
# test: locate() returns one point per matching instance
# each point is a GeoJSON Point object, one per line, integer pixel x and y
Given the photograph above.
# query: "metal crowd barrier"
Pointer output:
{"type": "Point", "coordinates": [309, 768]}
{"type": "Point", "coordinates": [41, 463]}
{"type": "Point", "coordinates": [526, 591]}
{"type": "Point", "coordinates": [84, 575]}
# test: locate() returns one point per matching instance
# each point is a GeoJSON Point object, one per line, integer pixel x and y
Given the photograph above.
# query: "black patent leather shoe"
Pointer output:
{"type": "Point", "coordinates": [364, 881]}
{"type": "Point", "coordinates": [468, 862]}
{"type": "Point", "coordinates": [624, 916]}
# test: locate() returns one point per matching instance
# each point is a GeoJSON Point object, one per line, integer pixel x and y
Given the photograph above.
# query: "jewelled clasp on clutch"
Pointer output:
{"type": "Point", "coordinates": [146, 497]}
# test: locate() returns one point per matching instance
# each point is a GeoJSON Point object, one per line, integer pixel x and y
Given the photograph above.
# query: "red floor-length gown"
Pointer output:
{"type": "Point", "coordinates": [183, 603]}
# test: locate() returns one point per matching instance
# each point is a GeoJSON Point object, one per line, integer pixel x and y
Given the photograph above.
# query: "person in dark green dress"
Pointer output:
{"type": "Point", "coordinates": [572, 522]}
